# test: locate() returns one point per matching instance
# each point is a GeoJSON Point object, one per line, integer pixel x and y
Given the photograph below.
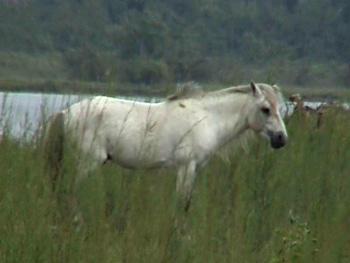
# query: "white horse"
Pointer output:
{"type": "Point", "coordinates": [182, 132]}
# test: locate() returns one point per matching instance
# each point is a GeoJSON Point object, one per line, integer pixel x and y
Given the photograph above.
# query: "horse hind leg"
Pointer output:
{"type": "Point", "coordinates": [184, 183]}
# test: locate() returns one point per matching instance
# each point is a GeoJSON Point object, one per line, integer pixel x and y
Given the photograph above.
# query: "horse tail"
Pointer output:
{"type": "Point", "coordinates": [53, 147]}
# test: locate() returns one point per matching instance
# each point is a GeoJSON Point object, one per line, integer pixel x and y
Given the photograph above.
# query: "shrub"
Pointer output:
{"type": "Point", "coordinates": [141, 70]}
{"type": "Point", "coordinates": [88, 64]}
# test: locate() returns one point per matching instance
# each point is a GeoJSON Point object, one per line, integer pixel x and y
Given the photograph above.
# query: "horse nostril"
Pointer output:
{"type": "Point", "coordinates": [278, 140]}
{"type": "Point", "coordinates": [280, 137]}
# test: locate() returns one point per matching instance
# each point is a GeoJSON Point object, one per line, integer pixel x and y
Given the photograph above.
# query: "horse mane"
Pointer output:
{"type": "Point", "coordinates": [186, 90]}
{"type": "Point", "coordinates": [194, 90]}
{"type": "Point", "coordinates": [245, 89]}
{"type": "Point", "coordinates": [235, 89]}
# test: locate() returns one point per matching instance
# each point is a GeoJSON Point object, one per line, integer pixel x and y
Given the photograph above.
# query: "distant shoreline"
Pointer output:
{"type": "Point", "coordinates": [156, 90]}
{"type": "Point", "coordinates": [80, 87]}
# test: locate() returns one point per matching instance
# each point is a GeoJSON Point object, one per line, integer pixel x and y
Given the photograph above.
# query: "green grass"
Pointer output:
{"type": "Point", "coordinates": [291, 205]}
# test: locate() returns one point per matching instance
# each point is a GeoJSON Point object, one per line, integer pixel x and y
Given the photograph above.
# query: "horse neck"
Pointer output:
{"type": "Point", "coordinates": [229, 114]}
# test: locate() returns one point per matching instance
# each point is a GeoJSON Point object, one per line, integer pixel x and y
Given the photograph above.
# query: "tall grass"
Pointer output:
{"type": "Point", "coordinates": [291, 205]}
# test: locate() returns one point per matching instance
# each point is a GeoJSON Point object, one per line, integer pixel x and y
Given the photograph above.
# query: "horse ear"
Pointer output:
{"type": "Point", "coordinates": [276, 87]}
{"type": "Point", "coordinates": [255, 89]}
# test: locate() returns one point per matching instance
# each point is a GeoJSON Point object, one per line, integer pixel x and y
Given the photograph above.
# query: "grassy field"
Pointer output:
{"type": "Point", "coordinates": [291, 205]}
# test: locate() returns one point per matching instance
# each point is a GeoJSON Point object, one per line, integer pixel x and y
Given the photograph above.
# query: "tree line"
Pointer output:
{"type": "Point", "coordinates": [173, 40]}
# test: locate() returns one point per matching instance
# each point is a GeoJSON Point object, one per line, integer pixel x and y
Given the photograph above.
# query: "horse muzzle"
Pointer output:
{"type": "Point", "coordinates": [277, 139]}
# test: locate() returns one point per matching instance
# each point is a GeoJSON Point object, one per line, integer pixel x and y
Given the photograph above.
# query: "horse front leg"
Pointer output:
{"type": "Point", "coordinates": [87, 163]}
{"type": "Point", "coordinates": [185, 182]}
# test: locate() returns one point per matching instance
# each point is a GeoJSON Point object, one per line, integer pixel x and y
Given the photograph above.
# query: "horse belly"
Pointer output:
{"type": "Point", "coordinates": [139, 154]}
{"type": "Point", "coordinates": [137, 146]}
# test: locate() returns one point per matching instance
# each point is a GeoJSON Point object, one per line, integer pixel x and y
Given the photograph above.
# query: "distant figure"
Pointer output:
{"type": "Point", "coordinates": [297, 102]}
{"type": "Point", "coordinates": [307, 110]}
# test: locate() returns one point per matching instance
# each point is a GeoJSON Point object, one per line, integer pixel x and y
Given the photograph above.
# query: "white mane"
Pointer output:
{"type": "Point", "coordinates": [186, 90]}
{"type": "Point", "coordinates": [195, 91]}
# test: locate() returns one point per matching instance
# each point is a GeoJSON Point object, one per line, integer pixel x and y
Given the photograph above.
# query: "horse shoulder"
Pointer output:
{"type": "Point", "coordinates": [191, 124]}
{"type": "Point", "coordinates": [205, 132]}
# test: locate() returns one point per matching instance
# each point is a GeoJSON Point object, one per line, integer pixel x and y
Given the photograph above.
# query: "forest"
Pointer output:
{"type": "Point", "coordinates": [295, 42]}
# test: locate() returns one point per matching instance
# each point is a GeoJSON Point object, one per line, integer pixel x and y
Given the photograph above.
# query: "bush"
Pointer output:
{"type": "Point", "coordinates": [88, 64]}
{"type": "Point", "coordinates": [141, 70]}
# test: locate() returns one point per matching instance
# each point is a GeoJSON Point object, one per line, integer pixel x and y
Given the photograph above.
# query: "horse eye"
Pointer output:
{"type": "Point", "coordinates": [265, 110]}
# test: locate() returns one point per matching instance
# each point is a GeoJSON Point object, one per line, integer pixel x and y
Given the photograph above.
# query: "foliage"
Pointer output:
{"type": "Point", "coordinates": [185, 37]}
{"type": "Point", "coordinates": [87, 64]}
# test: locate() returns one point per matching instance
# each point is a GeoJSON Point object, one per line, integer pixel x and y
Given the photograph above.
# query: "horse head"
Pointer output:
{"type": "Point", "coordinates": [265, 117]}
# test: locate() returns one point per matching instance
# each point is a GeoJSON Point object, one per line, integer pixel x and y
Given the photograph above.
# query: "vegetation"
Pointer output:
{"type": "Point", "coordinates": [136, 41]}
{"type": "Point", "coordinates": [257, 206]}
